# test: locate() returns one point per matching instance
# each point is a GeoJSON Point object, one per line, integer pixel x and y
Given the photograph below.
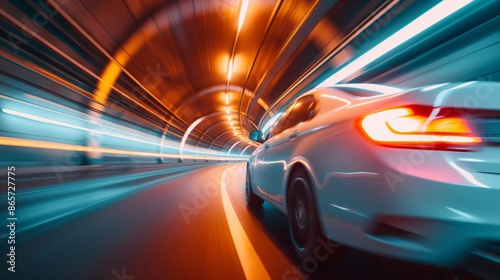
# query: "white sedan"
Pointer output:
{"type": "Point", "coordinates": [407, 173]}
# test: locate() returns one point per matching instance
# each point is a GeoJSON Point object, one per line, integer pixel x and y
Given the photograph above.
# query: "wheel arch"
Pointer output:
{"type": "Point", "coordinates": [301, 163]}
{"type": "Point", "coordinates": [311, 176]}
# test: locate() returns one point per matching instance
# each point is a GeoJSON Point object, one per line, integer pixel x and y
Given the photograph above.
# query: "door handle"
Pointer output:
{"type": "Point", "coordinates": [293, 135]}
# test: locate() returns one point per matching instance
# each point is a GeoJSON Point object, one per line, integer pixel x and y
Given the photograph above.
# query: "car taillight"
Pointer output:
{"type": "Point", "coordinates": [407, 127]}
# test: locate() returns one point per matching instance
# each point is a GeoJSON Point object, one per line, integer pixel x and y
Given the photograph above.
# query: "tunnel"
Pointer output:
{"type": "Point", "coordinates": [152, 139]}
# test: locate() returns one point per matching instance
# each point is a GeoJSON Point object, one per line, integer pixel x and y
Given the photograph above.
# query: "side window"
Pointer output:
{"type": "Point", "coordinates": [302, 111]}
{"type": "Point", "coordinates": [279, 124]}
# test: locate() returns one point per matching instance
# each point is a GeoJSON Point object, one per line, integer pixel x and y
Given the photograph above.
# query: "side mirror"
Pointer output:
{"type": "Point", "coordinates": [256, 135]}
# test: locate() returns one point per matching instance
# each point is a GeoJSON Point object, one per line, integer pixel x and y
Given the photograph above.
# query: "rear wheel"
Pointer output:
{"type": "Point", "coordinates": [303, 223]}
{"type": "Point", "coordinates": [253, 201]}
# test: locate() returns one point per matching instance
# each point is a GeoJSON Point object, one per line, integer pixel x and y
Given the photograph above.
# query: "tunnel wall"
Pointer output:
{"type": "Point", "coordinates": [473, 55]}
{"type": "Point", "coordinates": [29, 110]}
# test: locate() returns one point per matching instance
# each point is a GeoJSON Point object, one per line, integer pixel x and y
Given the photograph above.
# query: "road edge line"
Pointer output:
{"type": "Point", "coordinates": [249, 259]}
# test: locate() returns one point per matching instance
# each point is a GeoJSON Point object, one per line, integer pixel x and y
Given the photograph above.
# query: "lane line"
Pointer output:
{"type": "Point", "coordinates": [250, 261]}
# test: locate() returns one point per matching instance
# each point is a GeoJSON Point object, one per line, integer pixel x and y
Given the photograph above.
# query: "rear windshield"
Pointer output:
{"type": "Point", "coordinates": [368, 90]}
{"type": "Point", "coordinates": [360, 92]}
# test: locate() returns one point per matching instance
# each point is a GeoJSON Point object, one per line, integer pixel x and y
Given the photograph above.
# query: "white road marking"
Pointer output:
{"type": "Point", "coordinates": [250, 261]}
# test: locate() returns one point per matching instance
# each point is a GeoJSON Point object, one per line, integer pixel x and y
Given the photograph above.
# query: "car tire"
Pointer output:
{"type": "Point", "coordinates": [253, 201]}
{"type": "Point", "coordinates": [303, 222]}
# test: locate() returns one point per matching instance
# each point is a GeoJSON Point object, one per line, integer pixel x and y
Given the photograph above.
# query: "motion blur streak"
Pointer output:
{"type": "Point", "coordinates": [17, 142]}
{"type": "Point", "coordinates": [429, 18]}
{"type": "Point", "coordinates": [45, 120]}
{"type": "Point", "coordinates": [48, 204]}
{"type": "Point", "coordinates": [252, 266]}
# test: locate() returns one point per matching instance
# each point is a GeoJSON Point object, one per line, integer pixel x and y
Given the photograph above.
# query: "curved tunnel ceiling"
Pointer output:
{"type": "Point", "coordinates": [204, 73]}
{"type": "Point", "coordinates": [177, 55]}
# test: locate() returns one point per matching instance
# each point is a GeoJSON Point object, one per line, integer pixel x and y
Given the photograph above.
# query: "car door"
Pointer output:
{"type": "Point", "coordinates": [262, 175]}
{"type": "Point", "coordinates": [282, 146]}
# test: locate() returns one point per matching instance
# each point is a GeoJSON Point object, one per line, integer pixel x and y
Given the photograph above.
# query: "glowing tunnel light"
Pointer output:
{"type": "Point", "coordinates": [241, 19]}
{"type": "Point", "coordinates": [97, 131]}
{"type": "Point", "coordinates": [63, 124]}
{"type": "Point", "coordinates": [243, 12]}
{"type": "Point", "coordinates": [18, 142]}
{"type": "Point", "coordinates": [423, 22]}
{"type": "Point", "coordinates": [230, 70]}
{"type": "Point", "coordinates": [59, 146]}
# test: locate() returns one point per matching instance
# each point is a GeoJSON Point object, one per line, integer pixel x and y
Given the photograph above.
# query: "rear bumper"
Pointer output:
{"type": "Point", "coordinates": [484, 260]}
{"type": "Point", "coordinates": [433, 214]}
{"type": "Point", "coordinates": [446, 244]}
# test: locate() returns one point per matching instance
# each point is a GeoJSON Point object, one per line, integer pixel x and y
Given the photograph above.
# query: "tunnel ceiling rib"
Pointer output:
{"type": "Point", "coordinates": [223, 121]}
{"type": "Point", "coordinates": [213, 125]}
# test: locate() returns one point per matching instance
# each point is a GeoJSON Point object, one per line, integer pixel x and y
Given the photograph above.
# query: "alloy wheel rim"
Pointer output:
{"type": "Point", "coordinates": [301, 214]}
{"type": "Point", "coordinates": [301, 224]}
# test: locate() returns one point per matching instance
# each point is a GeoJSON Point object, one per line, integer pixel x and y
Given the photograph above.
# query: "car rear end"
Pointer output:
{"type": "Point", "coordinates": [434, 195]}
{"type": "Point", "coordinates": [448, 170]}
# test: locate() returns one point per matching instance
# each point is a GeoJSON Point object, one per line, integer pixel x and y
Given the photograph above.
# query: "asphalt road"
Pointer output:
{"type": "Point", "coordinates": [180, 222]}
